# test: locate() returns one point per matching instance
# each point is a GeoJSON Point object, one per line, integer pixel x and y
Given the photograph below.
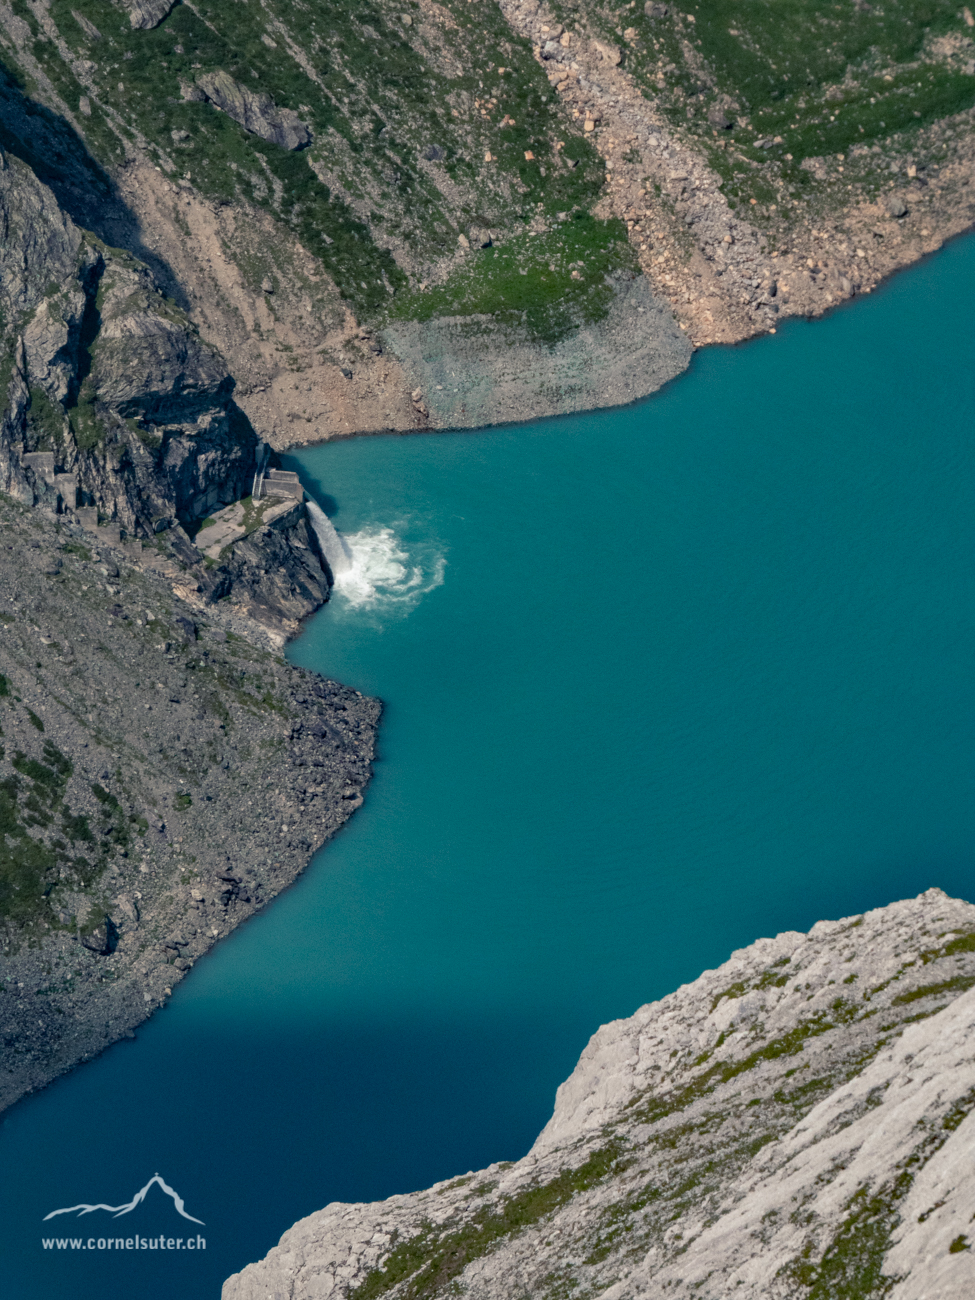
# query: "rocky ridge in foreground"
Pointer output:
{"type": "Point", "coordinates": [793, 1125]}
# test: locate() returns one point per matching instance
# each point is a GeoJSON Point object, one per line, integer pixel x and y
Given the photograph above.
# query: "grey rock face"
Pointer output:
{"type": "Point", "coordinates": [114, 403]}
{"type": "Point", "coordinates": [796, 1121]}
{"type": "Point", "coordinates": [254, 111]}
{"type": "Point", "coordinates": [474, 371]}
{"type": "Point", "coordinates": [146, 14]}
{"type": "Point", "coordinates": [188, 775]}
{"type": "Point", "coordinates": [147, 362]}
{"type": "Point", "coordinates": [51, 340]}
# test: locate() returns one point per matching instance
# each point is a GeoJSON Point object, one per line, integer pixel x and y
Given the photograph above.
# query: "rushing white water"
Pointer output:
{"type": "Point", "coordinates": [383, 574]}
{"type": "Point", "coordinates": [371, 567]}
{"type": "Point", "coordinates": [333, 547]}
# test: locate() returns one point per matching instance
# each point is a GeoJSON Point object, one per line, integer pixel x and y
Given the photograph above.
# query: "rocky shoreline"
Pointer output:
{"type": "Point", "coordinates": [164, 772]}
{"type": "Point", "coordinates": [163, 776]}
{"type": "Point", "coordinates": [613, 130]}
{"type": "Point", "coordinates": [795, 1124]}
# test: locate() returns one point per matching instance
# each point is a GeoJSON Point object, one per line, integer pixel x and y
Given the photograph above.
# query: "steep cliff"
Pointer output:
{"type": "Point", "coordinates": [112, 404]}
{"type": "Point", "coordinates": [163, 772]}
{"type": "Point", "coordinates": [348, 201]}
{"type": "Point", "coordinates": [794, 1125]}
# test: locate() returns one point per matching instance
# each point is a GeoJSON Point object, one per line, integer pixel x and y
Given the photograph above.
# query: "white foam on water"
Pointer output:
{"type": "Point", "coordinates": [383, 574]}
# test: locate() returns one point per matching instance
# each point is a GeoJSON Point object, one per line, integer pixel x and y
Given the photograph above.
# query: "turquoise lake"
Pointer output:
{"type": "Point", "coordinates": [658, 681]}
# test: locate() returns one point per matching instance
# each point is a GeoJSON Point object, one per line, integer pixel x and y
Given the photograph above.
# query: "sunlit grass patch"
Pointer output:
{"type": "Point", "coordinates": [551, 282]}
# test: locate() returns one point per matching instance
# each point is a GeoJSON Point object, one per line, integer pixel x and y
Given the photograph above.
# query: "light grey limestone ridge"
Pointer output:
{"type": "Point", "coordinates": [475, 370]}
{"type": "Point", "coordinates": [795, 1125]}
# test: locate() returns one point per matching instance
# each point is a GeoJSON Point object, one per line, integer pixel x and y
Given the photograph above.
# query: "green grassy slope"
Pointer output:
{"type": "Point", "coordinates": [402, 119]}
{"type": "Point", "coordinates": [795, 78]}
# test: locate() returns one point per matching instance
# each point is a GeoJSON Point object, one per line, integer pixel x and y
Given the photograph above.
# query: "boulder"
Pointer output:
{"type": "Point", "coordinates": [186, 627]}
{"type": "Point", "coordinates": [255, 111]}
{"type": "Point", "coordinates": [607, 52]}
{"type": "Point", "coordinates": [146, 14]}
{"type": "Point", "coordinates": [103, 940]}
{"type": "Point", "coordinates": [720, 114]}
{"type": "Point", "coordinates": [128, 908]}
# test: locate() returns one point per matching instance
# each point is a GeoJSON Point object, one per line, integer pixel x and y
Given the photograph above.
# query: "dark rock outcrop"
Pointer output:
{"type": "Point", "coordinates": [185, 774]}
{"type": "Point", "coordinates": [146, 14]}
{"type": "Point", "coordinates": [254, 110]}
{"type": "Point", "coordinates": [138, 710]}
{"type": "Point", "coordinates": [113, 402]}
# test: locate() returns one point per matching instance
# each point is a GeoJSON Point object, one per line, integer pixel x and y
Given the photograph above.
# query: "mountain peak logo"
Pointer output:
{"type": "Point", "coordinates": [116, 1211]}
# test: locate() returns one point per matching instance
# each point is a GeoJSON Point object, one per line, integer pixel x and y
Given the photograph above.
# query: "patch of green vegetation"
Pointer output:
{"type": "Point", "coordinates": [956, 985]}
{"type": "Point", "coordinates": [53, 776]}
{"type": "Point", "coordinates": [959, 1244]}
{"type": "Point", "coordinates": [45, 422]}
{"type": "Point", "coordinates": [34, 719]}
{"type": "Point", "coordinates": [771, 979]}
{"type": "Point", "coordinates": [75, 548]}
{"type": "Point", "coordinates": [147, 437]}
{"type": "Point", "coordinates": [30, 868]}
{"type": "Point", "coordinates": [428, 1262]}
{"type": "Point", "coordinates": [4, 685]}
{"type": "Point", "coordinates": [736, 990]}
{"type": "Point", "coordinates": [529, 280]}
{"type": "Point", "coordinates": [850, 1268]}
{"type": "Point", "coordinates": [649, 1110]}
{"type": "Point", "coordinates": [85, 425]}
{"type": "Point", "coordinates": [964, 941]}
{"type": "Point", "coordinates": [805, 1094]}
{"type": "Point", "coordinates": [182, 801]}
{"type": "Point", "coordinates": [76, 828]}
{"type": "Point", "coordinates": [806, 80]}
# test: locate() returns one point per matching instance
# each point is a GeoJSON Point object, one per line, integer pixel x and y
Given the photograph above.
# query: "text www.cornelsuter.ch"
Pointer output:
{"type": "Point", "coordinates": [124, 1243]}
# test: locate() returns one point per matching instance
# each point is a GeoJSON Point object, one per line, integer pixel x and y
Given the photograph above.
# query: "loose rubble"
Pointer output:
{"type": "Point", "coordinates": [163, 775]}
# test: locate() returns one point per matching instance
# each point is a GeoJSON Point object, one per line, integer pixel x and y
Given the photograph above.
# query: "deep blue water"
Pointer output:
{"type": "Point", "coordinates": [697, 671]}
